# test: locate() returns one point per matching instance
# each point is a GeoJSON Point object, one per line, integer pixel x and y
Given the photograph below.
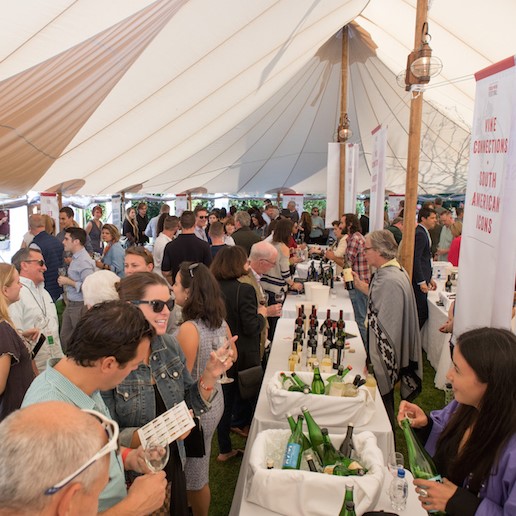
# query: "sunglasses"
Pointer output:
{"type": "Point", "coordinates": [157, 304]}
{"type": "Point", "coordinates": [112, 431]}
{"type": "Point", "coordinates": [41, 263]}
{"type": "Point", "coordinates": [203, 216]}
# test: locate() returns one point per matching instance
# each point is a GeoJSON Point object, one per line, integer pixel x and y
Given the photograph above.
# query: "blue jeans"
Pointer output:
{"type": "Point", "coordinates": [359, 302]}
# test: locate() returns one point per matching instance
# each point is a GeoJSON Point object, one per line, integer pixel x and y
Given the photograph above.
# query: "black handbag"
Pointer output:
{"type": "Point", "coordinates": [250, 381]}
{"type": "Point", "coordinates": [194, 443]}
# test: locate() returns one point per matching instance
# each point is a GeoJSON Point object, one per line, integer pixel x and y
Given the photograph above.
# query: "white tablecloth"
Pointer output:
{"type": "Point", "coordinates": [264, 419]}
{"type": "Point", "coordinates": [435, 343]}
{"type": "Point", "coordinates": [338, 300]}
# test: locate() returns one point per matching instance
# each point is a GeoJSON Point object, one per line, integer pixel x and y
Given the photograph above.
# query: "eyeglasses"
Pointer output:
{"type": "Point", "coordinates": [157, 304]}
{"type": "Point", "coordinates": [268, 261]}
{"type": "Point", "coordinates": [191, 269]}
{"type": "Point", "coordinates": [112, 431]}
{"type": "Point", "coordinates": [41, 263]}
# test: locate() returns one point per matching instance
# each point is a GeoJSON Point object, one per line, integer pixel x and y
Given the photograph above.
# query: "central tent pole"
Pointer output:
{"type": "Point", "coordinates": [343, 109]}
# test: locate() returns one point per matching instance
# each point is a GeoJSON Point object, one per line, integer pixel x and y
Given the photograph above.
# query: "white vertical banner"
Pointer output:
{"type": "Point", "coordinates": [377, 207]}
{"type": "Point", "coordinates": [350, 187]}
{"type": "Point", "coordinates": [299, 199]}
{"type": "Point", "coordinates": [181, 204]}
{"type": "Point", "coordinates": [487, 265]}
{"type": "Point", "coordinates": [332, 184]}
{"type": "Point", "coordinates": [50, 206]}
{"type": "Point", "coordinates": [116, 210]}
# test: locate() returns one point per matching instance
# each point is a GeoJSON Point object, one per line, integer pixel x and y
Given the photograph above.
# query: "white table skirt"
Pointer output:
{"type": "Point", "coordinates": [264, 419]}
{"type": "Point", "coordinates": [435, 343]}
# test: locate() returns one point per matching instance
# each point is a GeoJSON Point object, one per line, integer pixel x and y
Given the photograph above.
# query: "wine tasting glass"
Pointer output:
{"type": "Point", "coordinates": [61, 271]}
{"type": "Point", "coordinates": [223, 354]}
{"type": "Point", "coordinates": [279, 297]}
{"type": "Point", "coordinates": [156, 455]}
{"type": "Point", "coordinates": [395, 462]}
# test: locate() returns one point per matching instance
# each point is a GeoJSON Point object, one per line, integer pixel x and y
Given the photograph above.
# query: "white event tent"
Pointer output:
{"type": "Point", "coordinates": [233, 96]}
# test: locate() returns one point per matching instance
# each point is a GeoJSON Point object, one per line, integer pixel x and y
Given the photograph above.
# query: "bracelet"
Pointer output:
{"type": "Point", "coordinates": [125, 453]}
{"type": "Point", "coordinates": [203, 386]}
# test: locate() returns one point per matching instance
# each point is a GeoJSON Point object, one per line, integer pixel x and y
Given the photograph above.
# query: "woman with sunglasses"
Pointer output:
{"type": "Point", "coordinates": [16, 373]}
{"type": "Point", "coordinates": [162, 380]}
{"type": "Point", "coordinates": [198, 294]}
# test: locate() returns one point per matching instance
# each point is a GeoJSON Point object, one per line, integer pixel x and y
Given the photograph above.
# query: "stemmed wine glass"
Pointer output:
{"type": "Point", "coordinates": [223, 354]}
{"type": "Point", "coordinates": [279, 297]}
{"type": "Point", "coordinates": [156, 455]}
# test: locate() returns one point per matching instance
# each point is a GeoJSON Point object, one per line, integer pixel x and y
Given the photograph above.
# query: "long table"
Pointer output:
{"type": "Point", "coordinates": [264, 419]}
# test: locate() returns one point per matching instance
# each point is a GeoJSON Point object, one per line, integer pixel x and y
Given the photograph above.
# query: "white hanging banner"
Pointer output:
{"type": "Point", "coordinates": [181, 204]}
{"type": "Point", "coordinates": [377, 207]}
{"type": "Point", "coordinates": [332, 184]}
{"type": "Point", "coordinates": [350, 187]}
{"type": "Point", "coordinates": [487, 265]}
{"type": "Point", "coordinates": [116, 208]}
{"type": "Point", "coordinates": [299, 199]}
{"type": "Point", "coordinates": [50, 206]}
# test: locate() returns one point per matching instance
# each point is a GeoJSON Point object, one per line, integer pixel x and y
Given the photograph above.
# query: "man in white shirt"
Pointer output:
{"type": "Point", "coordinates": [170, 227]}
{"type": "Point", "coordinates": [36, 309]}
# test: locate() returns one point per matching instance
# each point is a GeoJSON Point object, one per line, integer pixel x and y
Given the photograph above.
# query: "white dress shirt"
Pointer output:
{"type": "Point", "coordinates": [159, 248]}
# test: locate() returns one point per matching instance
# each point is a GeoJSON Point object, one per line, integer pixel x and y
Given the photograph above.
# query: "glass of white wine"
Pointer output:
{"type": "Point", "coordinates": [223, 354]}
{"type": "Point", "coordinates": [156, 455]}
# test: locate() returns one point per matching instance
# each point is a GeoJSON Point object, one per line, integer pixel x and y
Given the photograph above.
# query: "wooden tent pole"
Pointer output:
{"type": "Point", "coordinates": [343, 110]}
{"type": "Point", "coordinates": [414, 146]}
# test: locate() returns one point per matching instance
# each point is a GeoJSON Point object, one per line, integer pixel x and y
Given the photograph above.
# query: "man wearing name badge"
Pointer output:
{"type": "Point", "coordinates": [422, 280]}
{"type": "Point", "coordinates": [109, 342]}
{"type": "Point", "coordinates": [35, 308]}
{"type": "Point", "coordinates": [52, 250]}
{"type": "Point", "coordinates": [80, 267]}
{"type": "Point", "coordinates": [41, 449]}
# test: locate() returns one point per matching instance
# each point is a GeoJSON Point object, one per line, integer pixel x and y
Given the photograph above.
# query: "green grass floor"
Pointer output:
{"type": "Point", "coordinates": [223, 476]}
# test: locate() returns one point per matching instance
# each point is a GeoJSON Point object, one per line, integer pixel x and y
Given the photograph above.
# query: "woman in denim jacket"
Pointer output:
{"type": "Point", "coordinates": [162, 380]}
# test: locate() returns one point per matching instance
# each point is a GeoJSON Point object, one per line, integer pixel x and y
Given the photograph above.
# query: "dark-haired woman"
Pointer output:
{"type": "Point", "coordinates": [258, 224]}
{"type": "Point", "coordinates": [161, 381]}
{"type": "Point", "coordinates": [198, 294]}
{"type": "Point", "coordinates": [247, 320]}
{"type": "Point", "coordinates": [473, 439]}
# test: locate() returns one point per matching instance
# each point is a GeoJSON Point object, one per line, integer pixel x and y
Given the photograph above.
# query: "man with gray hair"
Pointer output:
{"type": "Point", "coordinates": [243, 236]}
{"type": "Point", "coordinates": [35, 308]}
{"type": "Point", "coordinates": [261, 260]}
{"type": "Point", "coordinates": [42, 446]}
{"type": "Point", "coordinates": [393, 331]}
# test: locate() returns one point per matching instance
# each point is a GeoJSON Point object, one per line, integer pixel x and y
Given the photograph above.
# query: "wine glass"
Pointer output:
{"type": "Point", "coordinates": [395, 462]}
{"type": "Point", "coordinates": [156, 455]}
{"type": "Point", "coordinates": [222, 354]}
{"type": "Point", "coordinates": [279, 297]}
{"type": "Point", "coordinates": [61, 271]}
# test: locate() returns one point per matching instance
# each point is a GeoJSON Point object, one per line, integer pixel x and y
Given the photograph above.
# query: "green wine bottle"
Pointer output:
{"type": "Point", "coordinates": [305, 388]}
{"type": "Point", "coordinates": [307, 445]}
{"type": "Point", "coordinates": [287, 382]}
{"type": "Point", "coordinates": [317, 383]}
{"type": "Point", "coordinates": [315, 434]}
{"type": "Point", "coordinates": [346, 447]}
{"type": "Point", "coordinates": [420, 463]}
{"type": "Point", "coordinates": [348, 509]}
{"type": "Point", "coordinates": [294, 449]}
{"type": "Point", "coordinates": [330, 455]}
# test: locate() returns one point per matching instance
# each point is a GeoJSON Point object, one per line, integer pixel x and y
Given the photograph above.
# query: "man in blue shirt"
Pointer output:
{"type": "Point", "coordinates": [109, 342]}
{"type": "Point", "coordinates": [80, 267]}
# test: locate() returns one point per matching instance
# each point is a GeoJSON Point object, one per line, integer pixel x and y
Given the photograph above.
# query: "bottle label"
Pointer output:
{"type": "Point", "coordinates": [292, 453]}
{"type": "Point", "coordinates": [348, 274]}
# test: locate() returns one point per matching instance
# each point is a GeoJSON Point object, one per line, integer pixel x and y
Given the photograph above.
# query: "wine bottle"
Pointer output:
{"type": "Point", "coordinates": [347, 272]}
{"type": "Point", "coordinates": [371, 381]}
{"type": "Point", "coordinates": [336, 378]}
{"type": "Point", "coordinates": [420, 463]}
{"type": "Point", "coordinates": [339, 352]}
{"type": "Point", "coordinates": [341, 324]}
{"type": "Point", "coordinates": [331, 277]}
{"type": "Point", "coordinates": [348, 509]}
{"type": "Point", "coordinates": [310, 361]}
{"type": "Point", "coordinates": [311, 463]}
{"type": "Point", "coordinates": [349, 493]}
{"type": "Point", "coordinates": [346, 448]}
{"type": "Point", "coordinates": [293, 451]}
{"type": "Point", "coordinates": [328, 323]}
{"type": "Point", "coordinates": [314, 432]}
{"type": "Point", "coordinates": [327, 362]}
{"type": "Point", "coordinates": [293, 359]}
{"type": "Point", "coordinates": [317, 382]}
{"type": "Point", "coordinates": [321, 271]}
{"type": "Point", "coordinates": [330, 455]}
{"type": "Point", "coordinates": [287, 382]}
{"type": "Point", "coordinates": [307, 445]}
{"type": "Point", "coordinates": [448, 284]}
{"type": "Point", "coordinates": [299, 318]}
{"type": "Point", "coordinates": [305, 388]}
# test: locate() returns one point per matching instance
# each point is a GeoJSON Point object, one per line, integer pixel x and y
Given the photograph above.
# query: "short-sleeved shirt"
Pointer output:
{"type": "Point", "coordinates": [20, 372]}
{"type": "Point", "coordinates": [51, 385]}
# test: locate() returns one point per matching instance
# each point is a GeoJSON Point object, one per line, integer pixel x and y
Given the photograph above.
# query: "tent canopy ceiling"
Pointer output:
{"type": "Point", "coordinates": [228, 96]}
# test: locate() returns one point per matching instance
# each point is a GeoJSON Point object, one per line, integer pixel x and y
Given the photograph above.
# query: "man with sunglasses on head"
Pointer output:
{"type": "Point", "coordinates": [35, 308]}
{"type": "Point", "coordinates": [43, 445]}
{"type": "Point", "coordinates": [109, 342]}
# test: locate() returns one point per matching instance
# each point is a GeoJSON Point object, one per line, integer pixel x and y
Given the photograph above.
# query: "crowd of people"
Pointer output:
{"type": "Point", "coordinates": [145, 312]}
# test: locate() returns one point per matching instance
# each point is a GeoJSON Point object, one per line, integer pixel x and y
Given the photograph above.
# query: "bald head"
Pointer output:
{"type": "Point", "coordinates": [262, 257]}
{"type": "Point", "coordinates": [41, 445]}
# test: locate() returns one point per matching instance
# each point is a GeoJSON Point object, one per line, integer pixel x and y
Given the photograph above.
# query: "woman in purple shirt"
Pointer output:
{"type": "Point", "coordinates": [473, 439]}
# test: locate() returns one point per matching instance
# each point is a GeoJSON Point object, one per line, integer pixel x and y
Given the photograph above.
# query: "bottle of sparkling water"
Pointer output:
{"type": "Point", "coordinates": [398, 491]}
{"type": "Point", "coordinates": [294, 449]}
{"type": "Point", "coordinates": [420, 463]}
